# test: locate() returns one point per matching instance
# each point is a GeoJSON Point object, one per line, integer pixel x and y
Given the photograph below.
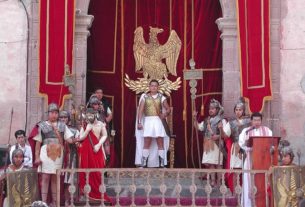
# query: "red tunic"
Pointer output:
{"type": "Point", "coordinates": [89, 159]}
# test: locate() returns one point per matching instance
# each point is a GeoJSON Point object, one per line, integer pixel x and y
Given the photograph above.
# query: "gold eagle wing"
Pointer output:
{"type": "Point", "coordinates": [139, 48]}
{"type": "Point", "coordinates": [170, 51]}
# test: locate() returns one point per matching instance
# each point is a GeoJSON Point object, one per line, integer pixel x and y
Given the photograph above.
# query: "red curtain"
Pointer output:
{"type": "Point", "coordinates": [254, 39]}
{"type": "Point", "coordinates": [56, 32]}
{"type": "Point", "coordinates": [110, 57]}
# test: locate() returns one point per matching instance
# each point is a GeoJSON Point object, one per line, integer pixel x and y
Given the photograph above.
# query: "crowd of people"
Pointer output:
{"type": "Point", "coordinates": [57, 144]}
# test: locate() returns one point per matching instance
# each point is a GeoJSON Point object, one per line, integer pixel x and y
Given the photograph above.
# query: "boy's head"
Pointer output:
{"type": "Point", "coordinates": [20, 137]}
{"type": "Point", "coordinates": [287, 155]}
{"type": "Point", "coordinates": [64, 116]}
{"type": "Point", "coordinates": [53, 111]}
{"type": "Point", "coordinates": [256, 119]}
{"type": "Point", "coordinates": [99, 93]}
{"type": "Point", "coordinates": [240, 108]}
{"type": "Point", "coordinates": [153, 86]}
{"type": "Point", "coordinates": [17, 157]}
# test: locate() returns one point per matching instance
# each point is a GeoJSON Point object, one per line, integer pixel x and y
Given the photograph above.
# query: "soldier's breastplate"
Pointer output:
{"type": "Point", "coordinates": [237, 128]}
{"type": "Point", "coordinates": [48, 134]}
{"type": "Point", "coordinates": [214, 126]}
{"type": "Point", "coordinates": [151, 106]}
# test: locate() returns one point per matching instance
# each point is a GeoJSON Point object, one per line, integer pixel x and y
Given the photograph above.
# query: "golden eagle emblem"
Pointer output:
{"type": "Point", "coordinates": [149, 56]}
{"type": "Point", "coordinates": [156, 61]}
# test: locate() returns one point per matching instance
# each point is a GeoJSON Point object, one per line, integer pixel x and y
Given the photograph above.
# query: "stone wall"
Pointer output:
{"type": "Point", "coordinates": [13, 70]}
{"type": "Point", "coordinates": [292, 73]}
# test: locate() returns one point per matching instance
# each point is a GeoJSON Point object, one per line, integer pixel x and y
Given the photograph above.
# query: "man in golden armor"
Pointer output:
{"type": "Point", "coordinates": [49, 150]}
{"type": "Point", "coordinates": [151, 151]}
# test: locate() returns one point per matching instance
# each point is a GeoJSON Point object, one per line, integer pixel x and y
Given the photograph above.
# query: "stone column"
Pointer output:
{"type": "Point", "coordinates": [36, 103]}
{"type": "Point", "coordinates": [292, 74]}
{"type": "Point", "coordinates": [230, 60]}
{"type": "Point", "coordinates": [82, 24]}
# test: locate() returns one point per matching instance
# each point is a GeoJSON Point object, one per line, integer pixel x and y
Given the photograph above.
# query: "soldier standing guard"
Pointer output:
{"type": "Point", "coordinates": [49, 150]}
{"type": "Point", "coordinates": [153, 142]}
{"type": "Point", "coordinates": [213, 151]}
{"type": "Point", "coordinates": [71, 155]}
{"type": "Point", "coordinates": [232, 130]}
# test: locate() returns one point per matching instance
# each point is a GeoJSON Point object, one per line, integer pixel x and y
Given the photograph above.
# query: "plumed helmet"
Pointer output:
{"type": "Point", "coordinates": [94, 100]}
{"type": "Point", "coordinates": [285, 148]}
{"type": "Point", "coordinates": [287, 151]}
{"type": "Point", "coordinates": [241, 103]}
{"type": "Point", "coordinates": [64, 113]}
{"type": "Point", "coordinates": [216, 104]}
{"type": "Point", "coordinates": [53, 107]}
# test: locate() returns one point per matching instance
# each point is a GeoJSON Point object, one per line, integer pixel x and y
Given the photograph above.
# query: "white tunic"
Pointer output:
{"type": "Point", "coordinates": [235, 161]}
{"type": "Point", "coordinates": [48, 165]}
{"type": "Point", "coordinates": [214, 156]}
{"type": "Point", "coordinates": [247, 179]}
{"type": "Point", "coordinates": [152, 127]}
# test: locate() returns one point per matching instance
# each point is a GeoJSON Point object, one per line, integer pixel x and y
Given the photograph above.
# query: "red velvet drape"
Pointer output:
{"type": "Point", "coordinates": [110, 56]}
{"type": "Point", "coordinates": [254, 42]}
{"type": "Point", "coordinates": [56, 33]}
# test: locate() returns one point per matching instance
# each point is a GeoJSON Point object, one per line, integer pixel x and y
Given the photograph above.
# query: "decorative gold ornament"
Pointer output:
{"type": "Point", "coordinates": [285, 187]}
{"type": "Point", "coordinates": [22, 188]}
{"type": "Point", "coordinates": [141, 85]}
{"type": "Point", "coordinates": [156, 61]}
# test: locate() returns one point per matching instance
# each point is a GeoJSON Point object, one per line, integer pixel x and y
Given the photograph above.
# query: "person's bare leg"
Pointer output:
{"type": "Point", "coordinates": [145, 153]}
{"type": "Point", "coordinates": [67, 194]}
{"type": "Point", "coordinates": [213, 176]}
{"type": "Point", "coordinates": [160, 143]}
{"type": "Point", "coordinates": [219, 175]}
{"type": "Point", "coordinates": [107, 149]}
{"type": "Point", "coordinates": [45, 181]}
{"type": "Point", "coordinates": [54, 189]}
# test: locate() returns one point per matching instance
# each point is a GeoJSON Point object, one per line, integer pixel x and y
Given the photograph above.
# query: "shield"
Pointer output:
{"type": "Point", "coordinates": [22, 188]}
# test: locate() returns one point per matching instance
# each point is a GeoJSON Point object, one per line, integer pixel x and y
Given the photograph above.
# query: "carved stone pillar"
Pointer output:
{"type": "Point", "coordinates": [82, 24]}
{"type": "Point", "coordinates": [230, 64]}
